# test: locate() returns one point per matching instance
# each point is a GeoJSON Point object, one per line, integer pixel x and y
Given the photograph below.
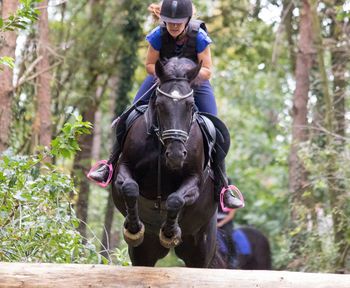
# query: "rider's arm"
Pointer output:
{"type": "Point", "coordinates": [228, 218]}
{"type": "Point", "coordinates": [151, 59]}
{"type": "Point", "coordinates": [205, 57]}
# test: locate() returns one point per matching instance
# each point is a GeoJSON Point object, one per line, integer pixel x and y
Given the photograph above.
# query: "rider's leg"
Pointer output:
{"type": "Point", "coordinates": [204, 98]}
{"type": "Point", "coordinates": [146, 85]}
{"type": "Point", "coordinates": [229, 199]}
{"type": "Point", "coordinates": [205, 101]}
{"type": "Point", "coordinates": [101, 175]}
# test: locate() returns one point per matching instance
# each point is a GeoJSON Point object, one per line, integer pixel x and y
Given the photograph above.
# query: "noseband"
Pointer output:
{"type": "Point", "coordinates": [174, 134]}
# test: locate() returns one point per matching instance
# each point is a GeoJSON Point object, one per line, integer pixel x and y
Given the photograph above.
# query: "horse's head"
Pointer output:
{"type": "Point", "coordinates": [174, 107]}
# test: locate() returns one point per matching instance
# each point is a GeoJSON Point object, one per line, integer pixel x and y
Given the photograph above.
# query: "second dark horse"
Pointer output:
{"type": "Point", "coordinates": [161, 186]}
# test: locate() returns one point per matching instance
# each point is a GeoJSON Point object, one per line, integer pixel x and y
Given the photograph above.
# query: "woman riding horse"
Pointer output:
{"type": "Point", "coordinates": [179, 36]}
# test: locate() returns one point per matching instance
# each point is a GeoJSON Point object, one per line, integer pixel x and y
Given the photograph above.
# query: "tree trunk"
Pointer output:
{"type": "Point", "coordinates": [44, 107]}
{"type": "Point", "coordinates": [7, 49]}
{"type": "Point", "coordinates": [96, 142]}
{"type": "Point", "coordinates": [81, 167]}
{"type": "Point", "coordinates": [297, 173]}
{"type": "Point", "coordinates": [331, 165]}
{"type": "Point", "coordinates": [287, 4]}
{"type": "Point", "coordinates": [86, 275]}
{"type": "Point", "coordinates": [106, 246]}
{"type": "Point", "coordinates": [340, 58]}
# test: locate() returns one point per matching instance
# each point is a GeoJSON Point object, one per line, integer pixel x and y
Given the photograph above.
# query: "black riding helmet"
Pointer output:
{"type": "Point", "coordinates": [176, 11]}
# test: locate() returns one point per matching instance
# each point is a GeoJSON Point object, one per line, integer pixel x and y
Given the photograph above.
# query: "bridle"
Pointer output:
{"type": "Point", "coordinates": [173, 134]}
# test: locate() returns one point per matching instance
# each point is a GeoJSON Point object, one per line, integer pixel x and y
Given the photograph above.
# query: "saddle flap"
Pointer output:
{"type": "Point", "coordinates": [209, 132]}
{"type": "Point", "coordinates": [222, 138]}
{"type": "Point", "coordinates": [127, 120]}
{"type": "Point", "coordinates": [242, 242]}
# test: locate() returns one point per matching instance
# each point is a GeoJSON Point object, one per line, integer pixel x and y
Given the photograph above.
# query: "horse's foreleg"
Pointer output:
{"type": "Point", "coordinates": [170, 233]}
{"type": "Point", "coordinates": [133, 227]}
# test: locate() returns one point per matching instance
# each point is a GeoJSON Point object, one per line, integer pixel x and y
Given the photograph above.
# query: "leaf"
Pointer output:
{"type": "Point", "coordinates": [13, 181]}
{"type": "Point", "coordinates": [49, 165]}
{"type": "Point", "coordinates": [67, 128]}
{"type": "Point", "coordinates": [18, 26]}
{"type": "Point", "coordinates": [2, 177]}
{"type": "Point", "coordinates": [35, 172]}
{"type": "Point", "coordinates": [7, 61]}
{"type": "Point", "coordinates": [85, 130]}
{"type": "Point", "coordinates": [65, 152]}
{"type": "Point", "coordinates": [6, 160]}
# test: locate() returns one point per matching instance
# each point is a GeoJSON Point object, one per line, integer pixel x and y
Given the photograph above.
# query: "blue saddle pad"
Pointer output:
{"type": "Point", "coordinates": [242, 243]}
{"type": "Point", "coordinates": [223, 245]}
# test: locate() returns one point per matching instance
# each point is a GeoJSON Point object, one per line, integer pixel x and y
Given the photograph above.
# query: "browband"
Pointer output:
{"type": "Point", "coordinates": [175, 95]}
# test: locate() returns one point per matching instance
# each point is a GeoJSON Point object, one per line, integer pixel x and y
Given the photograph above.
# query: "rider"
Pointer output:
{"type": "Point", "coordinates": [180, 36]}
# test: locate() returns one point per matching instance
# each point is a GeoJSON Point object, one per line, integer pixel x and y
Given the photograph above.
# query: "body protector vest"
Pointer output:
{"type": "Point", "coordinates": [189, 50]}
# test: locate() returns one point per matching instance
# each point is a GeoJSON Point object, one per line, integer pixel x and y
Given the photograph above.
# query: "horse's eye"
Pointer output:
{"type": "Point", "coordinates": [159, 106]}
{"type": "Point", "coordinates": [190, 104]}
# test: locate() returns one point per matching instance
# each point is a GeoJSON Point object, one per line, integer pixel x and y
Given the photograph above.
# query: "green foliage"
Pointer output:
{"type": "Point", "coordinates": [20, 19]}
{"type": "Point", "coordinates": [8, 61]}
{"type": "Point", "coordinates": [170, 260]}
{"type": "Point", "coordinates": [66, 144]}
{"type": "Point", "coordinates": [251, 97]}
{"type": "Point", "coordinates": [343, 12]}
{"type": "Point", "coordinates": [37, 222]}
{"type": "Point", "coordinates": [122, 256]}
{"type": "Point", "coordinates": [321, 177]}
{"type": "Point", "coordinates": [36, 219]}
{"type": "Point", "coordinates": [131, 31]}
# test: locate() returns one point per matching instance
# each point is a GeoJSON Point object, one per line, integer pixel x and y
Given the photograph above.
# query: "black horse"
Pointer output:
{"type": "Point", "coordinates": [160, 185]}
{"type": "Point", "coordinates": [251, 250]}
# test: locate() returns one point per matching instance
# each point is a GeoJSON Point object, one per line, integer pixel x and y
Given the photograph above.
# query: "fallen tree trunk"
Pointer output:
{"type": "Point", "coordinates": [80, 275]}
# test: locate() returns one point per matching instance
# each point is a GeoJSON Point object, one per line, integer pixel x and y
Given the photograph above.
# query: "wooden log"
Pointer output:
{"type": "Point", "coordinates": [80, 275]}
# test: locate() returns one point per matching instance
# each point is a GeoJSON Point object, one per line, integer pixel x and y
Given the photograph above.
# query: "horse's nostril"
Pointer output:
{"type": "Point", "coordinates": [184, 153]}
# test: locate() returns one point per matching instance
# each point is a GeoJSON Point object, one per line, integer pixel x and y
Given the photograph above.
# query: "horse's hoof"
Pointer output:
{"type": "Point", "coordinates": [136, 239]}
{"type": "Point", "coordinates": [170, 242]}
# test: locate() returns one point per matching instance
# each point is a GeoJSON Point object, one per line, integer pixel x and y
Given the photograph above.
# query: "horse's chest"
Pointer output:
{"type": "Point", "coordinates": [149, 177]}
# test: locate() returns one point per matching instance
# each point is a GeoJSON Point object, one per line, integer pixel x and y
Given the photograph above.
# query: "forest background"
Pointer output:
{"type": "Point", "coordinates": [280, 76]}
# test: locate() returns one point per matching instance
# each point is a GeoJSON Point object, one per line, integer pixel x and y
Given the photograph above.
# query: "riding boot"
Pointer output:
{"type": "Point", "coordinates": [101, 174]}
{"type": "Point", "coordinates": [220, 180]}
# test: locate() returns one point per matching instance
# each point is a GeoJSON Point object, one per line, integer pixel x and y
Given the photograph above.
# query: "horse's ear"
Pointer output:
{"type": "Point", "coordinates": [159, 69]}
{"type": "Point", "coordinates": [193, 73]}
